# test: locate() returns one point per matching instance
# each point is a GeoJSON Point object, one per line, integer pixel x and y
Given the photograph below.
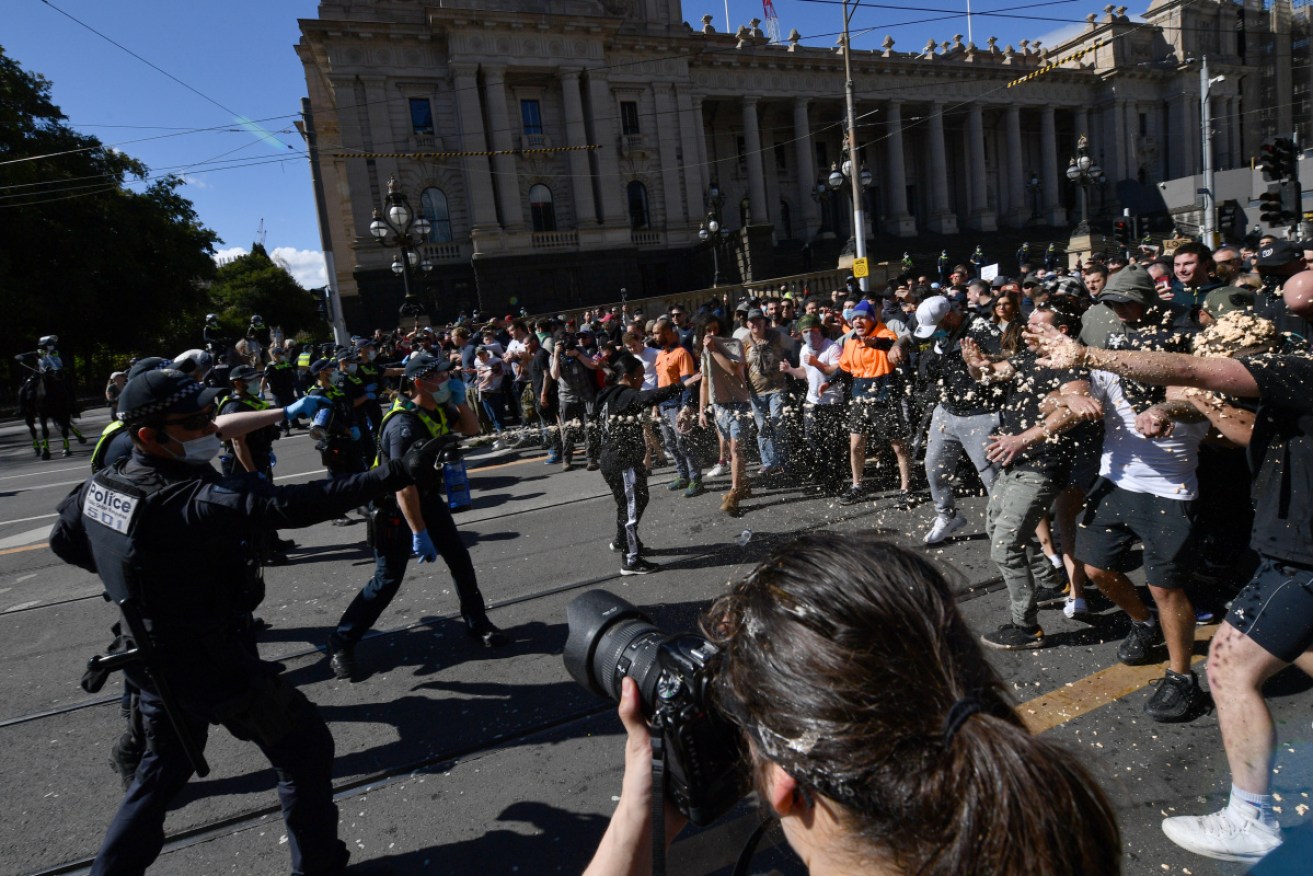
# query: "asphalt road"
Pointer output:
{"type": "Point", "coordinates": [452, 759]}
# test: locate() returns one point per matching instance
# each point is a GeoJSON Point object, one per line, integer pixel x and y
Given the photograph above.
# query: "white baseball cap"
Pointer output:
{"type": "Point", "coordinates": [929, 313]}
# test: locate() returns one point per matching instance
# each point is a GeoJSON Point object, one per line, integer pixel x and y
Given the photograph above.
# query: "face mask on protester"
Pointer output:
{"type": "Point", "coordinates": [351, 367]}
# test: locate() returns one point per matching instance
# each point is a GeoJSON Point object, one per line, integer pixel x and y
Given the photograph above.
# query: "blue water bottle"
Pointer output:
{"type": "Point", "coordinates": [457, 483]}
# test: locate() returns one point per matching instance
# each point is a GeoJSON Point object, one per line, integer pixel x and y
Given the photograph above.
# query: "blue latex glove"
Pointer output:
{"type": "Point", "coordinates": [371, 387]}
{"type": "Point", "coordinates": [422, 546]}
{"type": "Point", "coordinates": [458, 391]}
{"type": "Point", "coordinates": [305, 406]}
{"type": "Point", "coordinates": [372, 396]}
{"type": "Point", "coordinates": [355, 433]}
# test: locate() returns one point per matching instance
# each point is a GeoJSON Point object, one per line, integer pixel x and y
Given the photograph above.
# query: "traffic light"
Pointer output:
{"type": "Point", "coordinates": [1268, 161]}
{"type": "Point", "coordinates": [1121, 232]}
{"type": "Point", "coordinates": [1269, 205]}
{"type": "Point", "coordinates": [1227, 218]}
{"type": "Point", "coordinates": [1286, 154]}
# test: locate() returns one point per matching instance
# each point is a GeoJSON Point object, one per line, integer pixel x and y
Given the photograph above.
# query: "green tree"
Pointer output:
{"type": "Point", "coordinates": [255, 283]}
{"type": "Point", "coordinates": [111, 270]}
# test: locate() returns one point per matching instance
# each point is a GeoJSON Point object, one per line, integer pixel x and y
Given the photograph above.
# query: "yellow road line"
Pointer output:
{"type": "Point", "coordinates": [19, 550]}
{"type": "Point", "coordinates": [1084, 695]}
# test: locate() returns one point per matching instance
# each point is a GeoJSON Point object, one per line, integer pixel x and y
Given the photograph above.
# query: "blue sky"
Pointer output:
{"type": "Point", "coordinates": [234, 60]}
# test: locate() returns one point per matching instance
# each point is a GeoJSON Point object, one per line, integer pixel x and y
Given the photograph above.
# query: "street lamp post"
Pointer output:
{"type": "Point", "coordinates": [1084, 172]}
{"type": "Point", "coordinates": [859, 215]}
{"type": "Point", "coordinates": [711, 231]}
{"type": "Point", "coordinates": [840, 176]}
{"type": "Point", "coordinates": [401, 227]}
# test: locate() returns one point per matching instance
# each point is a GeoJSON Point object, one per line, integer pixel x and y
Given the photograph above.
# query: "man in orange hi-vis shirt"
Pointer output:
{"type": "Point", "coordinates": [872, 355]}
{"type": "Point", "coordinates": [674, 364]}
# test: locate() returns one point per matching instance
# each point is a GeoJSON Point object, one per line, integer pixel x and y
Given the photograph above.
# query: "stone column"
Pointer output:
{"type": "Point", "coordinates": [758, 213]}
{"type": "Point", "coordinates": [1016, 200]}
{"type": "Point", "coordinates": [602, 110]}
{"type": "Point", "coordinates": [667, 145]}
{"type": "Point", "coordinates": [691, 138]}
{"type": "Point", "coordinates": [804, 155]}
{"type": "Point", "coordinates": [981, 218]}
{"type": "Point", "coordinates": [900, 222]}
{"type": "Point", "coordinates": [581, 181]}
{"type": "Point", "coordinates": [506, 179]}
{"type": "Point", "coordinates": [478, 178]}
{"type": "Point", "coordinates": [708, 172]}
{"type": "Point", "coordinates": [1053, 211]}
{"type": "Point", "coordinates": [942, 219]}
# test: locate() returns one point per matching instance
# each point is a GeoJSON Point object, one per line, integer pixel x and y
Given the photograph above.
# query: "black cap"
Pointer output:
{"type": "Point", "coordinates": [420, 364]}
{"type": "Point", "coordinates": [147, 364]}
{"type": "Point", "coordinates": [166, 391]}
{"type": "Point", "coordinates": [243, 372]}
{"type": "Point", "coordinates": [321, 365]}
{"type": "Point", "coordinates": [343, 354]}
{"type": "Point", "coordinates": [1277, 254]}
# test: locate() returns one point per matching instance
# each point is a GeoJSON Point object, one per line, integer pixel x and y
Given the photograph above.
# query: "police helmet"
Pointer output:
{"type": "Point", "coordinates": [257, 319]}
{"type": "Point", "coordinates": [47, 341]}
{"type": "Point", "coordinates": [211, 317]}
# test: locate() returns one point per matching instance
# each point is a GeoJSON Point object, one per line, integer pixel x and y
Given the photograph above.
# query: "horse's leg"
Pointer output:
{"type": "Point", "coordinates": [64, 426]}
{"type": "Point", "coordinates": [45, 438]}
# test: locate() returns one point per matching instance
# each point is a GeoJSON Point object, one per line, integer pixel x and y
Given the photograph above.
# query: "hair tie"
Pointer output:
{"type": "Point", "coordinates": [957, 716]}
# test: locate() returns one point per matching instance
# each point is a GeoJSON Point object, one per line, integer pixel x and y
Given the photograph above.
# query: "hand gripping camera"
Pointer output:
{"type": "Point", "coordinates": [704, 765]}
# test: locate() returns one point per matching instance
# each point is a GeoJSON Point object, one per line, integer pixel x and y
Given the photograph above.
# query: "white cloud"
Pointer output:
{"type": "Point", "coordinates": [196, 181]}
{"type": "Point", "coordinates": [307, 266]}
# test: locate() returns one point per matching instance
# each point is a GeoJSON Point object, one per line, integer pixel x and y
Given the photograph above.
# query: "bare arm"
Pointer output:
{"type": "Point", "coordinates": [1226, 376]}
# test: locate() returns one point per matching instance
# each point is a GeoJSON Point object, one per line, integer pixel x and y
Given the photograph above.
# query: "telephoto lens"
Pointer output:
{"type": "Point", "coordinates": [608, 639]}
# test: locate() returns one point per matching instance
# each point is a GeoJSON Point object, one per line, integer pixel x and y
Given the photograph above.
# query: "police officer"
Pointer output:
{"type": "Point", "coordinates": [416, 520]}
{"type": "Point", "coordinates": [351, 383]}
{"type": "Point", "coordinates": [165, 513]}
{"type": "Point", "coordinates": [280, 380]}
{"type": "Point", "coordinates": [253, 451]}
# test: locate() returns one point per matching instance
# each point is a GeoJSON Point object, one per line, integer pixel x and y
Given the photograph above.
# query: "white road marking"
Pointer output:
{"type": "Point", "coordinates": [22, 539]}
{"type": "Point", "coordinates": [32, 474]}
{"type": "Point", "coordinates": [21, 606]}
{"type": "Point", "coordinates": [27, 519]}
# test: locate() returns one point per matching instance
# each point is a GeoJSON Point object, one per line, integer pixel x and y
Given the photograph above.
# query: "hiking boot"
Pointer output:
{"type": "Point", "coordinates": [729, 503]}
{"type": "Point", "coordinates": [1178, 698]}
{"type": "Point", "coordinates": [1014, 637]}
{"type": "Point", "coordinates": [1235, 833]}
{"type": "Point", "coordinates": [1052, 597]}
{"type": "Point", "coordinates": [852, 495]}
{"type": "Point", "coordinates": [342, 660]}
{"type": "Point", "coordinates": [1140, 644]}
{"type": "Point", "coordinates": [677, 484]}
{"type": "Point", "coordinates": [943, 528]}
{"type": "Point", "coordinates": [694, 488]}
{"type": "Point", "coordinates": [126, 756]}
{"type": "Point", "coordinates": [639, 566]}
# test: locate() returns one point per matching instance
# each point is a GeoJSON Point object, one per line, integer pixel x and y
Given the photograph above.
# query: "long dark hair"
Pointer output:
{"type": "Point", "coordinates": [846, 662]}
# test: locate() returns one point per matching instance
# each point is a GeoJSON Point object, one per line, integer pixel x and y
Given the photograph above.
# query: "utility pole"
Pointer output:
{"type": "Point", "coordinates": [854, 177]}
{"type": "Point", "coordinates": [1206, 131]}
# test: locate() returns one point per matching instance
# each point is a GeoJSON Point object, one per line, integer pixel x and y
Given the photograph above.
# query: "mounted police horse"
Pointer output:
{"type": "Point", "coordinates": [45, 396]}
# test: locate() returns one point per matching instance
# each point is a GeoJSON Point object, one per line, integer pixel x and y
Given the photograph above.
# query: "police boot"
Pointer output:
{"type": "Point", "coordinates": [126, 757]}
{"type": "Point", "coordinates": [485, 632]}
{"type": "Point", "coordinates": [342, 659]}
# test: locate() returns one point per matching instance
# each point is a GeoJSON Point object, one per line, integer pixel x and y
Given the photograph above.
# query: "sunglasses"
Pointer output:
{"type": "Point", "coordinates": [195, 422]}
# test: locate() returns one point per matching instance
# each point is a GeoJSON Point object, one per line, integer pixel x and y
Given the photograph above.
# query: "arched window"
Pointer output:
{"type": "Point", "coordinates": [434, 204]}
{"type": "Point", "coordinates": [542, 209]}
{"type": "Point", "coordinates": [638, 215]}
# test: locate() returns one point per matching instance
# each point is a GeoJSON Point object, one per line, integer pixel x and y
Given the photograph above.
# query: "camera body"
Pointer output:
{"type": "Point", "coordinates": [609, 639]}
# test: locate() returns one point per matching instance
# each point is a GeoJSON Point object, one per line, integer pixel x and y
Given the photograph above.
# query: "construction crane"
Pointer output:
{"type": "Point", "coordinates": [772, 20]}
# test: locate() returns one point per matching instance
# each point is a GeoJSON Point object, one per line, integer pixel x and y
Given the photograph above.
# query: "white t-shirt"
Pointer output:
{"type": "Point", "coordinates": [648, 356]}
{"type": "Point", "coordinates": [828, 355]}
{"type": "Point", "coordinates": [1163, 467]}
{"type": "Point", "coordinates": [514, 349]}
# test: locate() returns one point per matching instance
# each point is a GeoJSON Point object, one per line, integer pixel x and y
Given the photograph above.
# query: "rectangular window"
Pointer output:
{"type": "Point", "coordinates": [781, 160]}
{"type": "Point", "coordinates": [421, 116]}
{"type": "Point", "coordinates": [629, 118]}
{"type": "Point", "coordinates": [1144, 124]}
{"type": "Point", "coordinates": [822, 159]}
{"type": "Point", "coordinates": [532, 116]}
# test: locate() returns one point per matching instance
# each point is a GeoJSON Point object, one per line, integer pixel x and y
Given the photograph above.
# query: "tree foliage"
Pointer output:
{"type": "Point", "coordinates": [111, 270]}
{"type": "Point", "coordinates": [255, 283]}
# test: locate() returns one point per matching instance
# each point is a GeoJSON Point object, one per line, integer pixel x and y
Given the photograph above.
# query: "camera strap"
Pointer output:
{"type": "Point", "coordinates": [658, 803]}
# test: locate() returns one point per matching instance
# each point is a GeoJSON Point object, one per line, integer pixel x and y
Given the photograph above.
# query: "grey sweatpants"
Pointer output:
{"type": "Point", "coordinates": [949, 436]}
{"type": "Point", "coordinates": [1016, 502]}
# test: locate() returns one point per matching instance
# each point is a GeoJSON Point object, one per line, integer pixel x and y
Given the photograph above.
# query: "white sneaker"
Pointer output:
{"type": "Point", "coordinates": [1075, 606]}
{"type": "Point", "coordinates": [498, 445]}
{"type": "Point", "coordinates": [1233, 834]}
{"type": "Point", "coordinates": [944, 527]}
{"type": "Point", "coordinates": [718, 470]}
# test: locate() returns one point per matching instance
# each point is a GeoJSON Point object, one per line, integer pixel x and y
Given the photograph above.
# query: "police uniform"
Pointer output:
{"type": "Point", "coordinates": [280, 376]}
{"type": "Point", "coordinates": [352, 385]}
{"type": "Point", "coordinates": [403, 426]}
{"type": "Point", "coordinates": [259, 443]}
{"type": "Point", "coordinates": [338, 448]}
{"type": "Point", "coordinates": [142, 526]}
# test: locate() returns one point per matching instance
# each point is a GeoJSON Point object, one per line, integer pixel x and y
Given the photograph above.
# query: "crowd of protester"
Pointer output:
{"type": "Point", "coordinates": [916, 393]}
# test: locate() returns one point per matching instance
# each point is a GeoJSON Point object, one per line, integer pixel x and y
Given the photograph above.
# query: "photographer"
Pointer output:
{"type": "Point", "coordinates": [875, 729]}
{"type": "Point", "coordinates": [572, 374]}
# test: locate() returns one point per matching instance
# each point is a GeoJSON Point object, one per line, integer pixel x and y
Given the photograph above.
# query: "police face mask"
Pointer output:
{"type": "Point", "coordinates": [198, 451]}
{"type": "Point", "coordinates": [442, 394]}
{"type": "Point", "coordinates": [351, 367]}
